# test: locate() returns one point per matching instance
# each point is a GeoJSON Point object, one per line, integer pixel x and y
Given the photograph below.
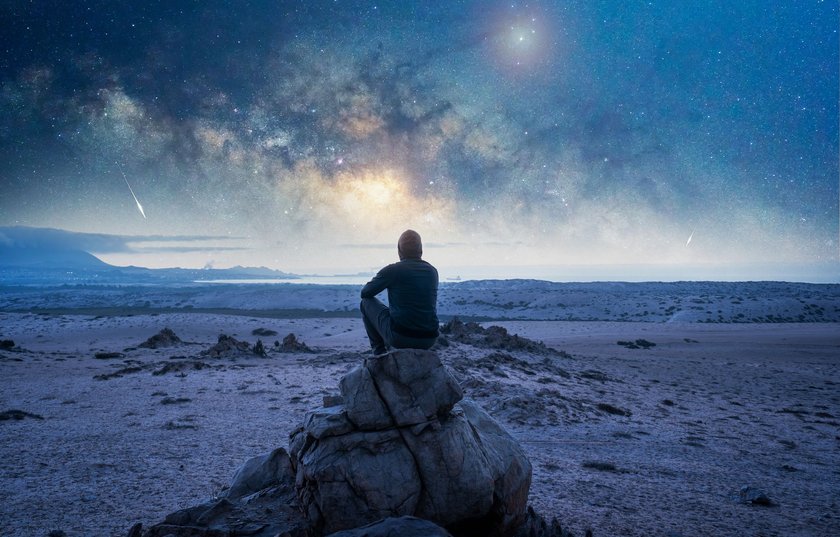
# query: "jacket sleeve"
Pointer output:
{"type": "Point", "coordinates": [378, 284]}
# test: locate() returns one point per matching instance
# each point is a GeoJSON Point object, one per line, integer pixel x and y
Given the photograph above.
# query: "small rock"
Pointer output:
{"type": "Point", "coordinates": [610, 409]}
{"type": "Point", "coordinates": [753, 496]}
{"type": "Point", "coordinates": [18, 415]}
{"type": "Point", "coordinates": [108, 355]}
{"type": "Point", "coordinates": [333, 400]}
{"type": "Point", "coordinates": [164, 338]}
{"type": "Point", "coordinates": [292, 344]}
{"type": "Point", "coordinates": [227, 347]}
{"type": "Point", "coordinates": [265, 332]}
{"type": "Point", "coordinates": [7, 345]}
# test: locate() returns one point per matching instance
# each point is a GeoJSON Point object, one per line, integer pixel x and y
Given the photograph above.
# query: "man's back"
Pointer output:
{"type": "Point", "coordinates": [412, 296]}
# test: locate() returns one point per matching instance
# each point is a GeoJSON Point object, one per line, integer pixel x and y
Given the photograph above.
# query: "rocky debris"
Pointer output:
{"type": "Point", "coordinates": [502, 360]}
{"type": "Point", "coordinates": [492, 337]}
{"type": "Point", "coordinates": [265, 332]}
{"type": "Point", "coordinates": [614, 410]}
{"type": "Point", "coordinates": [174, 400]}
{"type": "Point", "coordinates": [535, 525]}
{"type": "Point", "coordinates": [638, 344]}
{"type": "Point", "coordinates": [259, 348]}
{"type": "Point", "coordinates": [119, 373]}
{"type": "Point", "coordinates": [601, 466]}
{"type": "Point", "coordinates": [7, 345]}
{"type": "Point", "coordinates": [292, 344]}
{"type": "Point", "coordinates": [402, 444]}
{"type": "Point", "coordinates": [228, 347]}
{"type": "Point", "coordinates": [108, 355]}
{"type": "Point", "coordinates": [164, 338]}
{"type": "Point", "coordinates": [594, 374]}
{"type": "Point", "coordinates": [14, 414]}
{"type": "Point", "coordinates": [181, 366]}
{"type": "Point", "coordinates": [754, 496]}
{"type": "Point", "coordinates": [404, 526]}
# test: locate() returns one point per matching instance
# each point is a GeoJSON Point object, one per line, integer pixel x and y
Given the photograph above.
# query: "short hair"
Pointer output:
{"type": "Point", "coordinates": [410, 246]}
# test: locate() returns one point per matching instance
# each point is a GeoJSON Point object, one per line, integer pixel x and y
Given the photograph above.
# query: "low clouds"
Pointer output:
{"type": "Point", "coordinates": [23, 238]}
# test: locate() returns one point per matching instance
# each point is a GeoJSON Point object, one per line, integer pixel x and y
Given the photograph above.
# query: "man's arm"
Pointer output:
{"type": "Point", "coordinates": [378, 284]}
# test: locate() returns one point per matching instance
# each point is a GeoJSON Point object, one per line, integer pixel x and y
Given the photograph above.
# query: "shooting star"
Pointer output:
{"type": "Point", "coordinates": [139, 207]}
{"type": "Point", "coordinates": [689, 238]}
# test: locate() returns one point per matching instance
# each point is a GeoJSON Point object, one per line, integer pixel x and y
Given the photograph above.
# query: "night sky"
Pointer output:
{"type": "Point", "coordinates": [305, 136]}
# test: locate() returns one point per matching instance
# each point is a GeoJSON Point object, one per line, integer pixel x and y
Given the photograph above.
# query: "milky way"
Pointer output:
{"type": "Point", "coordinates": [527, 133]}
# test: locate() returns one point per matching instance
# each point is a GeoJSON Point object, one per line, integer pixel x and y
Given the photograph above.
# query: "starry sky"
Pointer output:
{"type": "Point", "coordinates": [306, 136]}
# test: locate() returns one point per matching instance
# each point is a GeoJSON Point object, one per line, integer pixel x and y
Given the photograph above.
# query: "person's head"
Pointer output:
{"type": "Point", "coordinates": [410, 246]}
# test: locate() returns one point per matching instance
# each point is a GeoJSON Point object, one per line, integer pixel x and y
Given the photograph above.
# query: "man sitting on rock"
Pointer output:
{"type": "Point", "coordinates": [411, 321]}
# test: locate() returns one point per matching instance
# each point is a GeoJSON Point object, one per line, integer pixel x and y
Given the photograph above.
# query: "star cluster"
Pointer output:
{"type": "Point", "coordinates": [524, 133]}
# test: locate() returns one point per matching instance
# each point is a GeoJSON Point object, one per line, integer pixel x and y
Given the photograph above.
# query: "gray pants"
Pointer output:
{"type": "Point", "coordinates": [377, 318]}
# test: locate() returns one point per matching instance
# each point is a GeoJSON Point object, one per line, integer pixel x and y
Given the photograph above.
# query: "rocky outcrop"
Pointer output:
{"type": "Point", "coordinates": [399, 452]}
{"type": "Point", "coordinates": [230, 347]}
{"type": "Point", "coordinates": [401, 444]}
{"type": "Point", "coordinates": [164, 338]}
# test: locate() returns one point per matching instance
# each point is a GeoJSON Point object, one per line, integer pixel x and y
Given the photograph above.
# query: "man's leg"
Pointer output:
{"type": "Point", "coordinates": [377, 319]}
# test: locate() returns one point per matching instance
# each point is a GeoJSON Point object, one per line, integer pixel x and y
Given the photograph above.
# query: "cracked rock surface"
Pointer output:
{"type": "Point", "coordinates": [403, 443]}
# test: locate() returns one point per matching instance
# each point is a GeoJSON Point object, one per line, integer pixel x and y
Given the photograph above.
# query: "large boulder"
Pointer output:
{"type": "Point", "coordinates": [403, 387]}
{"type": "Point", "coordinates": [402, 445]}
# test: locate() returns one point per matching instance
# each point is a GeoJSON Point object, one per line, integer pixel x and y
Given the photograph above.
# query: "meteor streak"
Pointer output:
{"type": "Point", "coordinates": [139, 207]}
{"type": "Point", "coordinates": [689, 238]}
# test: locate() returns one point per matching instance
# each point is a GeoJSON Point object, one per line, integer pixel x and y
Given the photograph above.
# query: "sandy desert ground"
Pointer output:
{"type": "Point", "coordinates": [626, 441]}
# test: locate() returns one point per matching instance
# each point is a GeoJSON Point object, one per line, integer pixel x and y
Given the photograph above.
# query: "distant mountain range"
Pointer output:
{"type": "Point", "coordinates": [50, 256]}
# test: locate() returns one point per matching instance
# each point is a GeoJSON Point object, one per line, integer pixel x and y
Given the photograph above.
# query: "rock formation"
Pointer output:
{"type": "Point", "coordinates": [164, 338]}
{"type": "Point", "coordinates": [398, 445]}
{"type": "Point", "coordinates": [402, 444]}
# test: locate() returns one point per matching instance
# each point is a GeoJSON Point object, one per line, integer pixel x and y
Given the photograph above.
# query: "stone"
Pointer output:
{"type": "Point", "coordinates": [227, 347]}
{"type": "Point", "coordinates": [754, 496]}
{"type": "Point", "coordinates": [364, 407]}
{"type": "Point", "coordinates": [456, 479]}
{"type": "Point", "coordinates": [330, 421]}
{"type": "Point", "coordinates": [260, 472]}
{"type": "Point", "coordinates": [400, 388]}
{"type": "Point", "coordinates": [164, 338]}
{"type": "Point", "coordinates": [406, 526]}
{"type": "Point", "coordinates": [509, 465]}
{"type": "Point", "coordinates": [353, 479]}
{"type": "Point", "coordinates": [332, 400]}
{"type": "Point", "coordinates": [404, 444]}
{"type": "Point", "coordinates": [292, 344]}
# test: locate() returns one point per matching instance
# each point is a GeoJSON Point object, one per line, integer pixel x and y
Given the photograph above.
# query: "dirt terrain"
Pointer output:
{"type": "Point", "coordinates": [660, 434]}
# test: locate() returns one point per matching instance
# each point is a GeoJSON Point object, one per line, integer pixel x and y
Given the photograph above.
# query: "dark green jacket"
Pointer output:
{"type": "Point", "coordinates": [412, 286]}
